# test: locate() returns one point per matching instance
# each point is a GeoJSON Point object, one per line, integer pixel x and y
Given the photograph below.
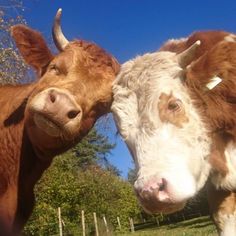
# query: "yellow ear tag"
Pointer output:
{"type": "Point", "coordinates": [213, 82]}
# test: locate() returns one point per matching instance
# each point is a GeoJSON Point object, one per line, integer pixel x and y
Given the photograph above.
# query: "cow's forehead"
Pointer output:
{"type": "Point", "coordinates": [150, 75]}
{"type": "Point", "coordinates": [147, 70]}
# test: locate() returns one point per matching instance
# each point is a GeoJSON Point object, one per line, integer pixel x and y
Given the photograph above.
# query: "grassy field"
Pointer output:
{"type": "Point", "coordinates": [201, 226]}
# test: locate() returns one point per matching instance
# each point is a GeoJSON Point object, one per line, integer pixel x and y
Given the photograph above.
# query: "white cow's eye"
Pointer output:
{"type": "Point", "coordinates": [174, 105]}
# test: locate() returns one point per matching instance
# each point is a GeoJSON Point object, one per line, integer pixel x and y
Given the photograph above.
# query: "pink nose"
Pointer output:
{"type": "Point", "coordinates": [61, 107]}
{"type": "Point", "coordinates": [155, 190]}
{"type": "Point", "coordinates": [155, 195]}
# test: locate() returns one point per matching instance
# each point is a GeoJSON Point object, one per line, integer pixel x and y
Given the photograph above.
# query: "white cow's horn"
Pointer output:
{"type": "Point", "coordinates": [186, 57]}
{"type": "Point", "coordinates": [58, 37]}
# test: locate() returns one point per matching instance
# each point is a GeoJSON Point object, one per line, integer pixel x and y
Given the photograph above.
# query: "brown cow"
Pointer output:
{"type": "Point", "coordinates": [180, 123]}
{"type": "Point", "coordinates": [47, 117]}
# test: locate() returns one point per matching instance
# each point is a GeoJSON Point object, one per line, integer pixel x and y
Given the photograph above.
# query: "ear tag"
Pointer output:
{"type": "Point", "coordinates": [213, 82]}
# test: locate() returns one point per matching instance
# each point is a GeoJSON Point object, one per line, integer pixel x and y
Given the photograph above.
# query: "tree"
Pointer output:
{"type": "Point", "coordinates": [12, 66]}
{"type": "Point", "coordinates": [106, 194]}
{"type": "Point", "coordinates": [132, 175]}
{"type": "Point", "coordinates": [93, 149]}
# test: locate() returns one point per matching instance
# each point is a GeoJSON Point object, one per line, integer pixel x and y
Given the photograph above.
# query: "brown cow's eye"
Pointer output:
{"type": "Point", "coordinates": [53, 68]}
{"type": "Point", "coordinates": [174, 105]}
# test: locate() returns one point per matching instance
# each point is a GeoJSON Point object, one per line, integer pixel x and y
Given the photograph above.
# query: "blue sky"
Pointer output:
{"type": "Point", "coordinates": [127, 28]}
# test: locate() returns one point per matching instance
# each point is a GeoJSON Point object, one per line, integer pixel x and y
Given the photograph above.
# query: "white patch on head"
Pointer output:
{"type": "Point", "coordinates": [160, 149]}
{"type": "Point", "coordinates": [229, 181]}
{"type": "Point", "coordinates": [230, 38]}
{"type": "Point", "coordinates": [227, 224]}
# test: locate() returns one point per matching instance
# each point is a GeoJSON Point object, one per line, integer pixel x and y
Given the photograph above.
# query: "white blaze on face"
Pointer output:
{"type": "Point", "coordinates": [161, 127]}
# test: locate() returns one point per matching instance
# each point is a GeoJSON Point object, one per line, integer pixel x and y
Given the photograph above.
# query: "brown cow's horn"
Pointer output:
{"type": "Point", "coordinates": [58, 37]}
{"type": "Point", "coordinates": [186, 57]}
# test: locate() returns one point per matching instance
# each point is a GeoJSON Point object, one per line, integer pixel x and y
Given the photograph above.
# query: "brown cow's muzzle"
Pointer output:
{"type": "Point", "coordinates": [56, 112]}
{"type": "Point", "coordinates": [155, 197]}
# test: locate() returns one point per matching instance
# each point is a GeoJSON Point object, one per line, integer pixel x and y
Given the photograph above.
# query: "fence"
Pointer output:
{"type": "Point", "coordinates": [108, 231]}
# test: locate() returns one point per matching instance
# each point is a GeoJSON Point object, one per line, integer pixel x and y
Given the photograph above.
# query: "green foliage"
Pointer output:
{"type": "Point", "coordinates": [74, 188]}
{"type": "Point", "coordinates": [132, 175]}
{"type": "Point", "coordinates": [93, 149]}
{"type": "Point", "coordinates": [106, 194]}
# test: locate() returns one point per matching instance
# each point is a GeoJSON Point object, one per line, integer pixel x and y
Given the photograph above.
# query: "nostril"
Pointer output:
{"type": "Point", "coordinates": [163, 185]}
{"type": "Point", "coordinates": [52, 97]}
{"type": "Point", "coordinates": [72, 114]}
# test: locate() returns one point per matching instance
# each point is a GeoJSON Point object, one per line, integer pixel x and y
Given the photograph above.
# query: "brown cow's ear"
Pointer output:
{"type": "Point", "coordinates": [32, 47]}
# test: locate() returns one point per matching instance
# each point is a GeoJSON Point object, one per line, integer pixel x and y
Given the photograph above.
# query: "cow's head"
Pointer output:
{"type": "Point", "coordinates": [73, 91]}
{"type": "Point", "coordinates": [163, 130]}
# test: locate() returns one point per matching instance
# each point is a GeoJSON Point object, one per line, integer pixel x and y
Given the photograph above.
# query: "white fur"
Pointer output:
{"type": "Point", "coordinates": [160, 149]}
{"type": "Point", "coordinates": [229, 181]}
{"type": "Point", "coordinates": [228, 224]}
{"type": "Point", "coordinates": [230, 38]}
{"type": "Point", "coordinates": [174, 41]}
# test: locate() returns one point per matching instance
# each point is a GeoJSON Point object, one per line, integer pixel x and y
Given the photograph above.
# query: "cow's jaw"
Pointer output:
{"type": "Point", "coordinates": [170, 170]}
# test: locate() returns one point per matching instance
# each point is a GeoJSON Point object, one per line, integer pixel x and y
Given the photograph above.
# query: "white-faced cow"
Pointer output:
{"type": "Point", "coordinates": [45, 118]}
{"type": "Point", "coordinates": [176, 111]}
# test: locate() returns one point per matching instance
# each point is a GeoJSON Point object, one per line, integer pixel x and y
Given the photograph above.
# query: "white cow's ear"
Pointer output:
{"type": "Point", "coordinates": [185, 58]}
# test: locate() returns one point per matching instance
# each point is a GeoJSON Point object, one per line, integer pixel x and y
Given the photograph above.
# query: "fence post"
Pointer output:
{"type": "Point", "coordinates": [105, 223]}
{"type": "Point", "coordinates": [131, 225]}
{"type": "Point", "coordinates": [60, 222]}
{"type": "Point", "coordinates": [96, 223]}
{"type": "Point", "coordinates": [157, 221]}
{"type": "Point", "coordinates": [118, 221]}
{"type": "Point", "coordinates": [83, 222]}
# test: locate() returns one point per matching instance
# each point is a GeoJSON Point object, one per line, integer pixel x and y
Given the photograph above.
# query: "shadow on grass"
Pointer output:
{"type": "Point", "coordinates": [201, 226]}
{"type": "Point", "coordinates": [148, 225]}
{"type": "Point", "coordinates": [200, 222]}
{"type": "Point", "coordinates": [193, 223]}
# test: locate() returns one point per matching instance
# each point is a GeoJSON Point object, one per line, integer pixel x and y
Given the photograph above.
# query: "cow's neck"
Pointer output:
{"type": "Point", "coordinates": [12, 103]}
{"type": "Point", "coordinates": [21, 166]}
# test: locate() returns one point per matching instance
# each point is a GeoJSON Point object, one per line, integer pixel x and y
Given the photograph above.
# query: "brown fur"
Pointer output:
{"type": "Point", "coordinates": [221, 203]}
{"type": "Point", "coordinates": [176, 117]}
{"type": "Point", "coordinates": [208, 40]}
{"type": "Point", "coordinates": [217, 106]}
{"type": "Point", "coordinates": [32, 46]}
{"type": "Point", "coordinates": [86, 72]}
{"type": "Point", "coordinates": [214, 57]}
{"type": "Point", "coordinates": [217, 158]}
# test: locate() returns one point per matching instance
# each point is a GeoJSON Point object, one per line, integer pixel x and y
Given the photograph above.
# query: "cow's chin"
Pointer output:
{"type": "Point", "coordinates": [166, 208]}
{"type": "Point", "coordinates": [52, 128]}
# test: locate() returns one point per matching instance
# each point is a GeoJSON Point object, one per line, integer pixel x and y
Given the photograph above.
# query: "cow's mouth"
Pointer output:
{"type": "Point", "coordinates": [157, 207]}
{"type": "Point", "coordinates": [49, 126]}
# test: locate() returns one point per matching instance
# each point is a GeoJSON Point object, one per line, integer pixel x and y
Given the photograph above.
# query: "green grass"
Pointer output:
{"type": "Point", "coordinates": [201, 226]}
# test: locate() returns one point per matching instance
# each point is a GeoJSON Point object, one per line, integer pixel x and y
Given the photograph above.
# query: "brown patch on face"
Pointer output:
{"type": "Point", "coordinates": [172, 110]}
